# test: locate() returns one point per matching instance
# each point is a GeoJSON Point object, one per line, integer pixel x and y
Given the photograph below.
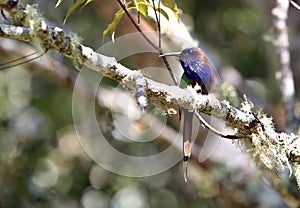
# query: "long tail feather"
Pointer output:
{"type": "Point", "coordinates": [187, 137]}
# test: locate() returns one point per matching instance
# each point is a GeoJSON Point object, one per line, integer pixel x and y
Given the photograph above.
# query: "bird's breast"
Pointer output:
{"type": "Point", "coordinates": [195, 69]}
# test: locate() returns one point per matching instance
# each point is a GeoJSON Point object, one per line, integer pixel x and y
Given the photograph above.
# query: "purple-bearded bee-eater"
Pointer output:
{"type": "Point", "coordinates": [197, 72]}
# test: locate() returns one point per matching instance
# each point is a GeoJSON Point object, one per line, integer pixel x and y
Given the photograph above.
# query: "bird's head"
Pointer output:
{"type": "Point", "coordinates": [187, 53]}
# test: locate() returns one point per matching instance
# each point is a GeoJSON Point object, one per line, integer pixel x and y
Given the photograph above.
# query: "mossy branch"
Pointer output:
{"type": "Point", "coordinates": [268, 148]}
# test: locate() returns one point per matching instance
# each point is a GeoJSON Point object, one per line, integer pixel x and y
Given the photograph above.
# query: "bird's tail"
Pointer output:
{"type": "Point", "coordinates": [187, 136]}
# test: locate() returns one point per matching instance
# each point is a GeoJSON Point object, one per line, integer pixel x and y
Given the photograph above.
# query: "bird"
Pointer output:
{"type": "Point", "coordinates": [198, 73]}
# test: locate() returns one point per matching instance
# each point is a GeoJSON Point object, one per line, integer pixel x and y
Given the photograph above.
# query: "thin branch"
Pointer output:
{"type": "Point", "coordinates": [136, 25]}
{"type": "Point", "coordinates": [295, 4]}
{"type": "Point", "coordinates": [149, 41]}
{"type": "Point", "coordinates": [157, 16]}
{"type": "Point", "coordinates": [158, 23]}
{"type": "Point", "coordinates": [215, 131]}
{"type": "Point", "coordinates": [19, 61]}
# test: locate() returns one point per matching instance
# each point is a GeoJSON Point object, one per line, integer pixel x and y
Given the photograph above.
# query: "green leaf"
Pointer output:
{"type": "Point", "coordinates": [143, 9]}
{"type": "Point", "coordinates": [163, 12]}
{"type": "Point", "coordinates": [74, 6]}
{"type": "Point", "coordinates": [112, 26]}
{"type": "Point", "coordinates": [146, 4]}
{"type": "Point", "coordinates": [171, 4]}
{"type": "Point", "coordinates": [86, 3]}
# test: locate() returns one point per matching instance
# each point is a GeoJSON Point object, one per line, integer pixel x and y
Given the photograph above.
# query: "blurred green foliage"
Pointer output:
{"type": "Point", "coordinates": [236, 30]}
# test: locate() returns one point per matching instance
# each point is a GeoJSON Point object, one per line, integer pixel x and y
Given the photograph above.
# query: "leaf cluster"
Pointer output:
{"type": "Point", "coordinates": [141, 7]}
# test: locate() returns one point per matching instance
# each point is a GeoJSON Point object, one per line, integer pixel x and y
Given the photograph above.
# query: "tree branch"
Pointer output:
{"type": "Point", "coordinates": [158, 48]}
{"type": "Point", "coordinates": [269, 149]}
{"type": "Point", "coordinates": [285, 75]}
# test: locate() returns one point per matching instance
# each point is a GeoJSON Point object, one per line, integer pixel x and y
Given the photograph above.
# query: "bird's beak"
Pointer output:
{"type": "Point", "coordinates": [170, 54]}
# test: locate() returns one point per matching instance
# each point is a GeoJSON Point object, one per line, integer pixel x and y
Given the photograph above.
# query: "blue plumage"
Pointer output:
{"type": "Point", "coordinates": [196, 68]}
{"type": "Point", "coordinates": [196, 71]}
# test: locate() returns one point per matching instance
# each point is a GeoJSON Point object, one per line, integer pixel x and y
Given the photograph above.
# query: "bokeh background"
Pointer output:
{"type": "Point", "coordinates": [42, 163]}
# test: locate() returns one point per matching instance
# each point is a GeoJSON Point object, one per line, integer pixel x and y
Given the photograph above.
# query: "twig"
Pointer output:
{"type": "Point", "coordinates": [158, 23]}
{"type": "Point", "coordinates": [149, 41]}
{"type": "Point", "coordinates": [215, 131]}
{"type": "Point", "coordinates": [136, 25]}
{"type": "Point", "coordinates": [295, 4]}
{"type": "Point", "coordinates": [20, 61]}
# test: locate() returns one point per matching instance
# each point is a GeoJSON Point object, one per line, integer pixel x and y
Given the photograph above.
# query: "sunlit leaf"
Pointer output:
{"type": "Point", "coordinates": [75, 6]}
{"type": "Point", "coordinates": [58, 3]}
{"type": "Point", "coordinates": [172, 5]}
{"type": "Point", "coordinates": [160, 10]}
{"type": "Point", "coordinates": [143, 9]}
{"type": "Point", "coordinates": [86, 3]}
{"type": "Point", "coordinates": [164, 13]}
{"type": "Point", "coordinates": [112, 26]}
